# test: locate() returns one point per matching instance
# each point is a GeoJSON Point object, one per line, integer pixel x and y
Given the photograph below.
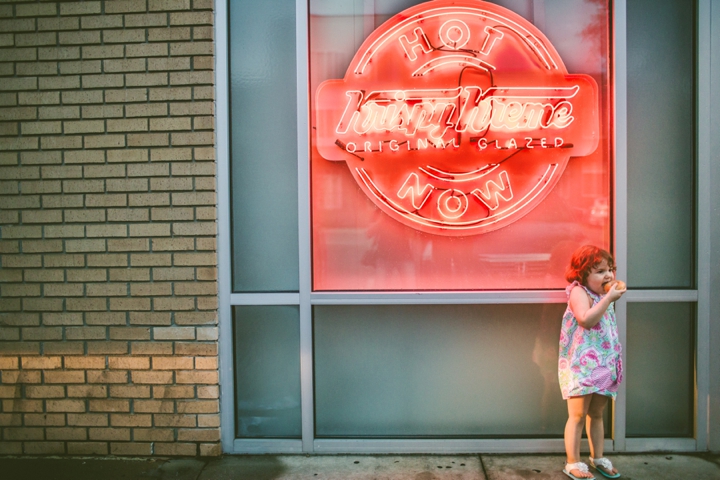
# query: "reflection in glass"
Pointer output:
{"type": "Point", "coordinates": [358, 247]}
{"type": "Point", "coordinates": [263, 146]}
{"type": "Point", "coordinates": [660, 351]}
{"type": "Point", "coordinates": [438, 371]}
{"type": "Point", "coordinates": [267, 371]}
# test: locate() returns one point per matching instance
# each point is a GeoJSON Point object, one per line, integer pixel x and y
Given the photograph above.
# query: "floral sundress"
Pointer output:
{"type": "Point", "coordinates": [590, 361]}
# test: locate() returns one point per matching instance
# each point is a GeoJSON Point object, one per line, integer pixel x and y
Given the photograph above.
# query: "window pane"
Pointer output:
{"type": "Point", "coordinates": [267, 371]}
{"type": "Point", "coordinates": [434, 371]}
{"type": "Point", "coordinates": [659, 352]}
{"type": "Point", "coordinates": [263, 145]}
{"type": "Point", "coordinates": [358, 245]}
{"type": "Point", "coordinates": [661, 137]}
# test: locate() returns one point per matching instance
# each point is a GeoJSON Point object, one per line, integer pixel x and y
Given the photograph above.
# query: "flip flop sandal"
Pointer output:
{"type": "Point", "coordinates": [577, 466]}
{"type": "Point", "coordinates": [606, 465]}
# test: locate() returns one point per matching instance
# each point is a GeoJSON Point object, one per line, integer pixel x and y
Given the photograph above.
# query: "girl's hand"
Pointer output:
{"type": "Point", "coordinates": [614, 293]}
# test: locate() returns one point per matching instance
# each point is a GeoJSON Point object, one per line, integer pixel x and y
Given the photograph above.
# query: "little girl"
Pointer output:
{"type": "Point", "coordinates": [590, 365]}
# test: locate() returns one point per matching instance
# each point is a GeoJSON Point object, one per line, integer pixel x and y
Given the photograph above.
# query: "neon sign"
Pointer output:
{"type": "Point", "coordinates": [457, 117]}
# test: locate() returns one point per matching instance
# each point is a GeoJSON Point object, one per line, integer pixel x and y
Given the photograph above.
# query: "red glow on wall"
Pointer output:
{"type": "Point", "coordinates": [457, 118]}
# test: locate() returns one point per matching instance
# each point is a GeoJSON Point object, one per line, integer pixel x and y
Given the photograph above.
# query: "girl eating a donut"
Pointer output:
{"type": "Point", "coordinates": [590, 360]}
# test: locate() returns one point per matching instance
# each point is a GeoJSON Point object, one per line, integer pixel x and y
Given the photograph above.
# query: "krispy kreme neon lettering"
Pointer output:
{"type": "Point", "coordinates": [452, 204]}
{"type": "Point", "coordinates": [493, 192]}
{"type": "Point", "coordinates": [526, 142]}
{"type": "Point", "coordinates": [420, 41]}
{"type": "Point", "coordinates": [394, 145]}
{"type": "Point", "coordinates": [532, 41]}
{"type": "Point", "coordinates": [495, 217]}
{"type": "Point", "coordinates": [498, 108]}
{"type": "Point", "coordinates": [412, 187]}
{"type": "Point", "coordinates": [493, 36]}
{"type": "Point", "coordinates": [454, 28]}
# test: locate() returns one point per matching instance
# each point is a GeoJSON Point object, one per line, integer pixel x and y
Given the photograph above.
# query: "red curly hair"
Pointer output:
{"type": "Point", "coordinates": [584, 259]}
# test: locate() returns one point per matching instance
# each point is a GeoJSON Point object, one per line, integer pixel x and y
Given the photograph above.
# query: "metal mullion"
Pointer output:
{"type": "Point", "coordinates": [439, 298]}
{"type": "Point", "coordinates": [264, 299]}
{"type": "Point", "coordinates": [490, 298]}
{"type": "Point", "coordinates": [704, 216]}
{"type": "Point", "coordinates": [621, 198]}
{"type": "Point", "coordinates": [659, 296]}
{"type": "Point", "coordinates": [539, 14]}
{"type": "Point", "coordinates": [225, 327]}
{"type": "Point", "coordinates": [304, 228]}
{"type": "Point", "coordinates": [712, 304]}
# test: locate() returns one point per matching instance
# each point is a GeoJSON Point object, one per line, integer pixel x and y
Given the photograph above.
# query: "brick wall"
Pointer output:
{"type": "Point", "coordinates": [108, 323]}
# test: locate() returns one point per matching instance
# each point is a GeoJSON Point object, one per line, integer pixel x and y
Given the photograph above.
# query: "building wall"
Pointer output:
{"type": "Point", "coordinates": [108, 291]}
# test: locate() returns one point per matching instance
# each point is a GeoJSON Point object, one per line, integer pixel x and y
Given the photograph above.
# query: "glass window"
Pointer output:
{"type": "Point", "coordinates": [438, 371]}
{"type": "Point", "coordinates": [478, 208]}
{"type": "Point", "coordinates": [267, 371]}
{"type": "Point", "coordinates": [659, 354]}
{"type": "Point", "coordinates": [263, 92]}
{"type": "Point", "coordinates": [661, 139]}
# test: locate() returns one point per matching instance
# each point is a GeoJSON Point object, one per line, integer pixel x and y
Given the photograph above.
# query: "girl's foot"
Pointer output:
{"type": "Point", "coordinates": [577, 470]}
{"type": "Point", "coordinates": [605, 467]}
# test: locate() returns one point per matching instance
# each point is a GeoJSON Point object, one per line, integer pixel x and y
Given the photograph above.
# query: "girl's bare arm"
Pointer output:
{"type": "Point", "coordinates": [587, 314]}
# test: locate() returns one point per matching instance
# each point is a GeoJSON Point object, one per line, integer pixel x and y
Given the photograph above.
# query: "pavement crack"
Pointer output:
{"type": "Point", "coordinates": [482, 465]}
{"type": "Point", "coordinates": [205, 462]}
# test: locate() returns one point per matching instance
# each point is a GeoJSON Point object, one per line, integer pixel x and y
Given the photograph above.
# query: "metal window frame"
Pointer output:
{"type": "Point", "coordinates": [222, 139]}
{"type": "Point", "coordinates": [620, 229]}
{"type": "Point", "coordinates": [305, 298]}
{"type": "Point", "coordinates": [710, 153]}
{"type": "Point", "coordinates": [704, 110]}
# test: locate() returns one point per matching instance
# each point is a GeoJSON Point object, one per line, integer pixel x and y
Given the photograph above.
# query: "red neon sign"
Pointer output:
{"type": "Point", "coordinates": [457, 117]}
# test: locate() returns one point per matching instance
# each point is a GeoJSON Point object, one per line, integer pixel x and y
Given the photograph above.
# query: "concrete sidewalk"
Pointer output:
{"type": "Point", "coordinates": [351, 467]}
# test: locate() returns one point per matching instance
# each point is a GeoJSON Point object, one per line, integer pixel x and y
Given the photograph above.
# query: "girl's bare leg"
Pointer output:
{"type": "Point", "coordinates": [595, 426]}
{"type": "Point", "coordinates": [577, 410]}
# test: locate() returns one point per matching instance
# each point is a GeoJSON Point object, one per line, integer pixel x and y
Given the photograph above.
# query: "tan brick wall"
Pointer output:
{"type": "Point", "coordinates": [108, 293]}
